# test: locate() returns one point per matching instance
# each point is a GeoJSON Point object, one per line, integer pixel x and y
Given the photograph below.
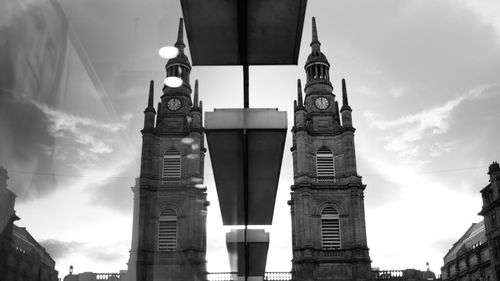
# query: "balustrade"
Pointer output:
{"type": "Point", "coordinates": [109, 276]}
{"type": "Point", "coordinates": [269, 276]}
{"type": "Point", "coordinates": [388, 275]}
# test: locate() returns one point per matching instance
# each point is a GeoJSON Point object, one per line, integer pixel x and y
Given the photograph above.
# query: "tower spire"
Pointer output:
{"type": "Point", "coordinates": [149, 112]}
{"type": "Point", "coordinates": [315, 42]}
{"type": "Point", "coordinates": [195, 101]}
{"type": "Point", "coordinates": [151, 94]}
{"type": "Point", "coordinates": [345, 102]}
{"type": "Point", "coordinates": [179, 66]}
{"type": "Point", "coordinates": [299, 94]}
{"type": "Point", "coordinates": [150, 107]}
{"type": "Point", "coordinates": [180, 37]}
{"type": "Point", "coordinates": [317, 66]}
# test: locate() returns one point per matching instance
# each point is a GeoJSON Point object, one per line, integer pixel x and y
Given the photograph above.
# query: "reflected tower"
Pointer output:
{"type": "Point", "coordinates": [327, 201]}
{"type": "Point", "coordinates": [169, 236]}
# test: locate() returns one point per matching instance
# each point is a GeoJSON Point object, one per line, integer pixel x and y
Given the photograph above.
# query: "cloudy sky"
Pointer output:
{"type": "Point", "coordinates": [423, 79]}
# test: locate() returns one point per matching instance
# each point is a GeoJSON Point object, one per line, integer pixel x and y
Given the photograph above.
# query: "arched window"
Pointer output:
{"type": "Point", "coordinates": [325, 166]}
{"type": "Point", "coordinates": [167, 231]}
{"type": "Point", "coordinates": [330, 228]}
{"type": "Point", "coordinates": [171, 170]}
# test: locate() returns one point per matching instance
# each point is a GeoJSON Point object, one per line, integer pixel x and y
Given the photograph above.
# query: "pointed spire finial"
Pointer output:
{"type": "Point", "coordinates": [158, 119]}
{"type": "Point", "coordinates": [180, 36]}
{"type": "Point", "coordinates": [315, 41]}
{"type": "Point", "coordinates": [151, 93]}
{"type": "Point", "coordinates": [195, 101]}
{"type": "Point", "coordinates": [345, 101]}
{"type": "Point", "coordinates": [150, 107]}
{"type": "Point", "coordinates": [299, 94]}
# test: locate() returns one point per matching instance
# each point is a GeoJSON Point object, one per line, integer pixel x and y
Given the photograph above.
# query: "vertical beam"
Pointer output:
{"type": "Point", "coordinates": [242, 41]}
{"type": "Point", "coordinates": [245, 86]}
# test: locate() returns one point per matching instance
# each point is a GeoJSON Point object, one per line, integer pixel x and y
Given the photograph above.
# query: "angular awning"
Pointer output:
{"type": "Point", "coordinates": [266, 132]}
{"type": "Point", "coordinates": [217, 30]}
{"type": "Point", "coordinates": [258, 245]}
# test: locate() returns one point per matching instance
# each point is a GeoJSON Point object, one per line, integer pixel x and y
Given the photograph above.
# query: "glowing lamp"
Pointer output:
{"type": "Point", "coordinates": [187, 140]}
{"type": "Point", "coordinates": [173, 81]}
{"type": "Point", "coordinates": [168, 52]}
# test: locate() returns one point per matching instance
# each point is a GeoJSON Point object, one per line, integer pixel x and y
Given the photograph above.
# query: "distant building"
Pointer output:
{"type": "Point", "coordinates": [7, 200]}
{"type": "Point", "coordinates": [91, 276]}
{"type": "Point", "coordinates": [491, 211]}
{"type": "Point", "coordinates": [476, 255]}
{"type": "Point", "coordinates": [469, 257]}
{"type": "Point", "coordinates": [406, 275]}
{"type": "Point", "coordinates": [21, 257]}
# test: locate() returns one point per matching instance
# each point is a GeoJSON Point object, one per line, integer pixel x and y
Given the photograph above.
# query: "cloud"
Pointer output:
{"type": "Point", "coordinates": [443, 245]}
{"type": "Point", "coordinates": [115, 191]}
{"type": "Point", "coordinates": [94, 137]}
{"type": "Point", "coordinates": [127, 116]}
{"type": "Point", "coordinates": [12, 11]}
{"type": "Point", "coordinates": [58, 249]}
{"type": "Point", "coordinates": [40, 144]}
{"type": "Point", "coordinates": [104, 255]}
{"type": "Point", "coordinates": [488, 11]}
{"type": "Point", "coordinates": [406, 134]}
{"type": "Point", "coordinates": [423, 51]}
{"type": "Point", "coordinates": [63, 250]}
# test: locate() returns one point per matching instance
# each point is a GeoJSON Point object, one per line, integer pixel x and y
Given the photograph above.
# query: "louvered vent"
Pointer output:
{"type": "Point", "coordinates": [167, 231]}
{"type": "Point", "coordinates": [325, 166]}
{"type": "Point", "coordinates": [330, 228]}
{"type": "Point", "coordinates": [171, 172]}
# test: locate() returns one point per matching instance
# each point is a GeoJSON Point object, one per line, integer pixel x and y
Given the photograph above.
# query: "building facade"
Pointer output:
{"type": "Point", "coordinates": [91, 276]}
{"type": "Point", "coordinates": [469, 257]}
{"type": "Point", "coordinates": [476, 255]}
{"type": "Point", "coordinates": [171, 233]}
{"type": "Point", "coordinates": [327, 201]}
{"type": "Point", "coordinates": [21, 256]}
{"type": "Point", "coordinates": [491, 212]}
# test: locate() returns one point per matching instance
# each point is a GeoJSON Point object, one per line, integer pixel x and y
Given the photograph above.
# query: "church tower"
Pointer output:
{"type": "Point", "coordinates": [327, 205]}
{"type": "Point", "coordinates": [171, 227]}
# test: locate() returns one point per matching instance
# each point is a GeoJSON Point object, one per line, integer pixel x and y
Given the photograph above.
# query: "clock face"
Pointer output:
{"type": "Point", "coordinates": [174, 104]}
{"type": "Point", "coordinates": [321, 103]}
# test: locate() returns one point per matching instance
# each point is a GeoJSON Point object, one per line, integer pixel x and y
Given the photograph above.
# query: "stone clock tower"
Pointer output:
{"type": "Point", "coordinates": [169, 236]}
{"type": "Point", "coordinates": [327, 206]}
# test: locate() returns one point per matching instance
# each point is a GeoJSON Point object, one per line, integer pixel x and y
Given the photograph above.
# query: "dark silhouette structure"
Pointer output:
{"type": "Point", "coordinates": [327, 201]}
{"type": "Point", "coordinates": [21, 256]}
{"type": "Point", "coordinates": [171, 227]}
{"type": "Point", "coordinates": [491, 211]}
{"type": "Point", "coordinates": [469, 257]}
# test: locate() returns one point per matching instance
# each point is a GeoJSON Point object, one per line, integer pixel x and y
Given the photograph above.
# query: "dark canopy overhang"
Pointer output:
{"type": "Point", "coordinates": [266, 132]}
{"type": "Point", "coordinates": [239, 32]}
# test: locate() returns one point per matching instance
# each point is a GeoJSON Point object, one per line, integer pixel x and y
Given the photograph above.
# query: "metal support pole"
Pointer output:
{"type": "Point", "coordinates": [245, 196]}
{"type": "Point", "coordinates": [245, 86]}
{"type": "Point", "coordinates": [242, 26]}
{"type": "Point", "coordinates": [245, 168]}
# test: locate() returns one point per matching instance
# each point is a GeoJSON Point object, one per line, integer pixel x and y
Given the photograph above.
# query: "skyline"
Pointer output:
{"type": "Point", "coordinates": [420, 91]}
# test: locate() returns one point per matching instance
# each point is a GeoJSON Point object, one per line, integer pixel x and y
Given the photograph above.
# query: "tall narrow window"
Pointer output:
{"type": "Point", "coordinates": [167, 231]}
{"type": "Point", "coordinates": [325, 166]}
{"type": "Point", "coordinates": [171, 171]}
{"type": "Point", "coordinates": [330, 228]}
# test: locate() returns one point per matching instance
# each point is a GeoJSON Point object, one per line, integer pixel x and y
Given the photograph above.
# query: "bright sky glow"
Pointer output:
{"type": "Point", "coordinates": [168, 52]}
{"type": "Point", "coordinates": [423, 83]}
{"type": "Point", "coordinates": [173, 81]}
